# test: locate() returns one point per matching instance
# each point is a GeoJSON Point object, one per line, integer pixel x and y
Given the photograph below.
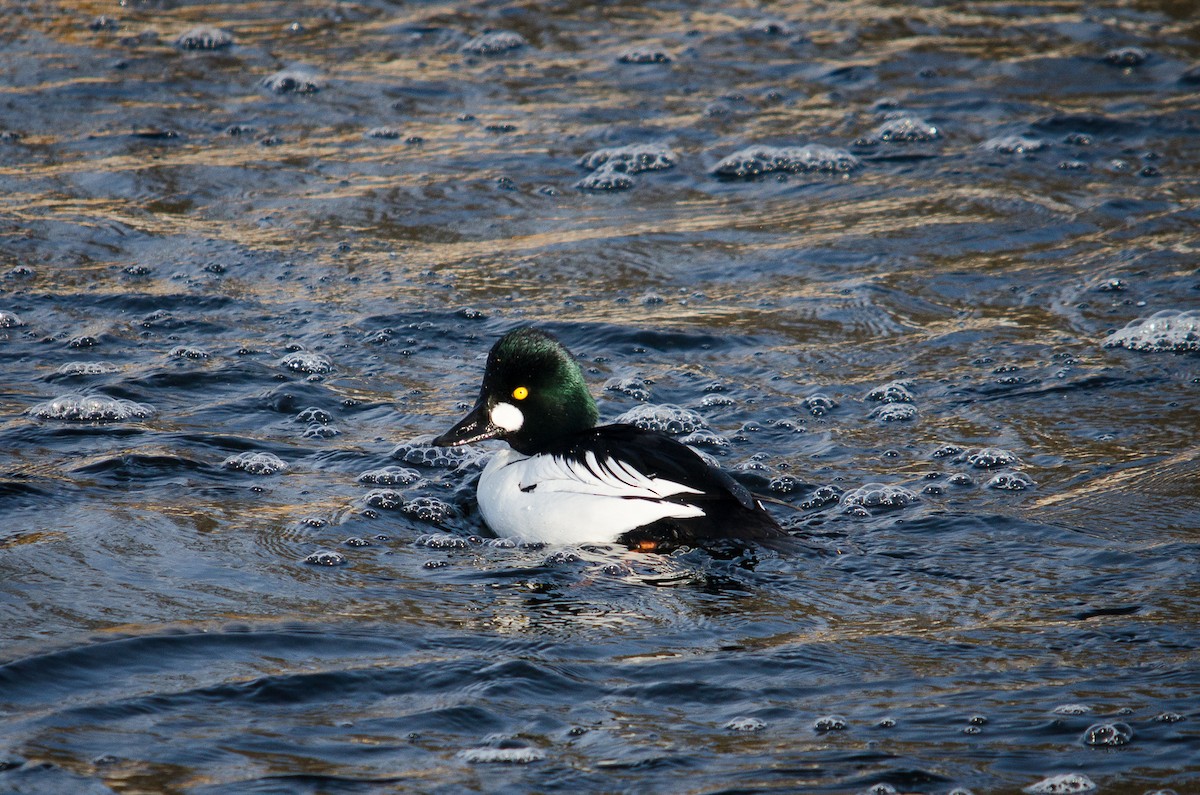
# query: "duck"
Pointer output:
{"type": "Point", "coordinates": [564, 480]}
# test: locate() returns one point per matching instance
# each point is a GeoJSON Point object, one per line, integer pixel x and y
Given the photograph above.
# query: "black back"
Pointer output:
{"type": "Point", "coordinates": [730, 510]}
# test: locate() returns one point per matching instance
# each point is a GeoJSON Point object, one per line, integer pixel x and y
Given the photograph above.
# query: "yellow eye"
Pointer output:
{"type": "Point", "coordinates": [520, 393]}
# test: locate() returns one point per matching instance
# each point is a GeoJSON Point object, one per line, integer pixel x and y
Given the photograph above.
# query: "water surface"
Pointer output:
{"type": "Point", "coordinates": [246, 273]}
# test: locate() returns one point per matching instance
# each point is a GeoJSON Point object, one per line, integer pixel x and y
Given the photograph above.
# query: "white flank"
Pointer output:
{"type": "Point", "coordinates": [507, 416]}
{"type": "Point", "coordinates": [549, 499]}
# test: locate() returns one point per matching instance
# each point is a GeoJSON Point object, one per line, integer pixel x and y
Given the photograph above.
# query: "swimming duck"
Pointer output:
{"type": "Point", "coordinates": [565, 480]}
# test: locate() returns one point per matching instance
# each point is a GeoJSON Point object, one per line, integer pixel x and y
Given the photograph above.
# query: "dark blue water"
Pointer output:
{"type": "Point", "coordinates": [236, 304]}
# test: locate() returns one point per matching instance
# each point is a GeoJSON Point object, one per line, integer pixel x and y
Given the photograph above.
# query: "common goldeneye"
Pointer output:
{"type": "Point", "coordinates": [564, 480]}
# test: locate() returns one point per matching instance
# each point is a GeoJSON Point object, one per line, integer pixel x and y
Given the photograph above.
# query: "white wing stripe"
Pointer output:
{"type": "Point", "coordinates": [611, 478]}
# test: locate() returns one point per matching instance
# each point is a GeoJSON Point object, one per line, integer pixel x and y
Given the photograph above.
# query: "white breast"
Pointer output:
{"type": "Point", "coordinates": [550, 499]}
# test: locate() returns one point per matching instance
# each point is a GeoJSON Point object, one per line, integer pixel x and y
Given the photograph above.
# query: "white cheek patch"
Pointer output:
{"type": "Point", "coordinates": [507, 416]}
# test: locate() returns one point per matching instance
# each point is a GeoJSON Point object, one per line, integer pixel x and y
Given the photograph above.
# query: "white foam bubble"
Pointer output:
{"type": "Point", "coordinates": [894, 412]}
{"type": "Point", "coordinates": [428, 509]}
{"type": "Point", "coordinates": [188, 352]}
{"type": "Point", "coordinates": [1013, 145]}
{"type": "Point", "coordinates": [904, 128]}
{"type": "Point", "coordinates": [745, 724]}
{"type": "Point", "coordinates": [418, 451]}
{"type": "Point", "coordinates": [91, 408]}
{"type": "Point", "coordinates": [633, 387]}
{"type": "Point", "coordinates": [384, 498]}
{"type": "Point", "coordinates": [255, 463]}
{"type": "Point", "coordinates": [606, 177]}
{"type": "Point", "coordinates": [633, 158]}
{"type": "Point", "coordinates": [1166, 331]}
{"type": "Point", "coordinates": [1072, 709]}
{"type": "Point", "coordinates": [819, 404]}
{"type": "Point", "coordinates": [1011, 481]}
{"type": "Point", "coordinates": [87, 368]}
{"type": "Point", "coordinates": [892, 392]}
{"type": "Point", "coordinates": [307, 362]}
{"type": "Point", "coordinates": [666, 418]}
{"type": "Point", "coordinates": [1062, 783]}
{"type": "Point", "coordinates": [1108, 734]}
{"type": "Point", "coordinates": [644, 55]}
{"type": "Point", "coordinates": [204, 37]}
{"type": "Point", "coordinates": [442, 541]}
{"type": "Point", "coordinates": [755, 160]}
{"type": "Point", "coordinates": [503, 756]}
{"type": "Point", "coordinates": [495, 42]}
{"type": "Point", "coordinates": [10, 319]}
{"type": "Point", "coordinates": [879, 496]}
{"type": "Point", "coordinates": [326, 557]}
{"type": "Point", "coordinates": [294, 81]}
{"type": "Point", "coordinates": [390, 476]}
{"type": "Point", "coordinates": [830, 723]}
{"type": "Point", "coordinates": [989, 457]}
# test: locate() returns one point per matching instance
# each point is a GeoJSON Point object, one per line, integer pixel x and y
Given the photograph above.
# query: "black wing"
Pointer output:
{"type": "Point", "coordinates": [730, 510]}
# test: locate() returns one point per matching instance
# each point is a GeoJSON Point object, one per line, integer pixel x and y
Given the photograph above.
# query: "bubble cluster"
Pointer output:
{"type": "Point", "coordinates": [316, 430]}
{"type": "Point", "coordinates": [428, 509]}
{"type": "Point", "coordinates": [385, 499]}
{"type": "Point", "coordinates": [1011, 481]}
{"type": "Point", "coordinates": [830, 723]}
{"type": "Point", "coordinates": [1062, 784]}
{"type": "Point", "coordinates": [635, 157]}
{"type": "Point", "coordinates": [1072, 709]}
{"type": "Point", "coordinates": [894, 412]}
{"type": "Point", "coordinates": [255, 463]}
{"type": "Point", "coordinates": [704, 439]}
{"type": "Point", "coordinates": [188, 352]}
{"type": "Point", "coordinates": [717, 400]}
{"type": "Point", "coordinates": [87, 368]}
{"type": "Point", "coordinates": [314, 414]}
{"type": "Point", "coordinates": [1014, 145]}
{"type": "Point", "coordinates": [822, 496]}
{"type": "Point", "coordinates": [326, 557]}
{"type": "Point", "coordinates": [946, 450]}
{"type": "Point", "coordinates": [770, 27]}
{"type": "Point", "coordinates": [819, 404]}
{"type": "Point", "coordinates": [666, 418]}
{"type": "Point", "coordinates": [307, 362]}
{"type": "Point", "coordinates": [644, 55]}
{"type": "Point", "coordinates": [606, 178]}
{"type": "Point", "coordinates": [989, 457]}
{"type": "Point", "coordinates": [91, 408]}
{"type": "Point", "coordinates": [891, 392]}
{"type": "Point", "coordinates": [744, 724]}
{"type": "Point", "coordinates": [505, 756]}
{"type": "Point", "coordinates": [1169, 330]}
{"type": "Point", "coordinates": [204, 37]}
{"type": "Point", "coordinates": [496, 42]}
{"type": "Point", "coordinates": [390, 476]}
{"type": "Point", "coordinates": [879, 496]}
{"type": "Point", "coordinates": [383, 133]}
{"type": "Point", "coordinates": [633, 387]}
{"type": "Point", "coordinates": [420, 453]}
{"type": "Point", "coordinates": [613, 167]}
{"type": "Point", "coordinates": [756, 160]}
{"type": "Point", "coordinates": [293, 81]}
{"type": "Point", "coordinates": [903, 128]}
{"type": "Point", "coordinates": [10, 319]}
{"type": "Point", "coordinates": [442, 541]}
{"type": "Point", "coordinates": [1108, 734]}
{"type": "Point", "coordinates": [1126, 57]}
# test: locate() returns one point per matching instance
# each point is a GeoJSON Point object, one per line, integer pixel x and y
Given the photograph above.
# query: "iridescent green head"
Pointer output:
{"type": "Point", "coordinates": [533, 395]}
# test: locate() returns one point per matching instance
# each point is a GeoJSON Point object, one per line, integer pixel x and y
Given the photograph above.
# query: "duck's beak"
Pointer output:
{"type": "Point", "coordinates": [475, 427]}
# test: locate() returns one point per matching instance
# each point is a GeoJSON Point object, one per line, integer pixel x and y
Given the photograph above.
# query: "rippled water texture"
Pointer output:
{"type": "Point", "coordinates": [925, 274]}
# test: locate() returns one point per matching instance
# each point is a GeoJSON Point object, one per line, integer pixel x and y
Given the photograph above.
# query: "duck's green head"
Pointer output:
{"type": "Point", "coordinates": [533, 395]}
